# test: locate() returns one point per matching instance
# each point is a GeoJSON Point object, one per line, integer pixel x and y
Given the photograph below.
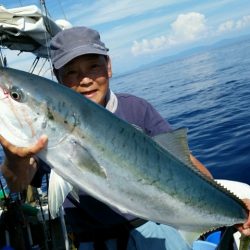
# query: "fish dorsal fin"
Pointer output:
{"type": "Point", "coordinates": [175, 142]}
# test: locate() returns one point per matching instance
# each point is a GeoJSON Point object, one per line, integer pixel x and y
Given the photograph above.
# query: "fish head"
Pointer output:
{"type": "Point", "coordinates": [29, 109]}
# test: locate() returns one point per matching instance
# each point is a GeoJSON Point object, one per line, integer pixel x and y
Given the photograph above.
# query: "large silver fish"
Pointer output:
{"type": "Point", "coordinates": [112, 160]}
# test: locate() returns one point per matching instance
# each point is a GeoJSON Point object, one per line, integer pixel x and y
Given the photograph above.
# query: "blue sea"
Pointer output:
{"type": "Point", "coordinates": [209, 94]}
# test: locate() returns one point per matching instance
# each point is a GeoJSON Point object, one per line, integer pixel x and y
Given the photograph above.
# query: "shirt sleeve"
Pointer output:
{"type": "Point", "coordinates": [154, 123]}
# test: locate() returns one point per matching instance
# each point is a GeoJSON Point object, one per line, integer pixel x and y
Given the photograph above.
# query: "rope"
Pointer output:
{"type": "Point", "coordinates": [61, 7]}
{"type": "Point", "coordinates": [34, 64]}
{"type": "Point", "coordinates": [47, 27]}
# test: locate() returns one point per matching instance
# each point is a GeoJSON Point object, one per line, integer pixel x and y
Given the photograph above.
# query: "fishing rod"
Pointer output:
{"type": "Point", "coordinates": [19, 223]}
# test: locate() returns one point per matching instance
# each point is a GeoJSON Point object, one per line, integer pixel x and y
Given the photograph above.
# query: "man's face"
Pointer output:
{"type": "Point", "coordinates": [88, 75]}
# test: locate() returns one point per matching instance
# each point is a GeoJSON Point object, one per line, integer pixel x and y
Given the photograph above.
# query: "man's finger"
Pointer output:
{"type": "Point", "coordinates": [39, 145]}
{"type": "Point", "coordinates": [23, 151]}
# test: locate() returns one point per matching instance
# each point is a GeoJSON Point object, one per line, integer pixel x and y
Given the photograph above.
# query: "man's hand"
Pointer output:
{"type": "Point", "coordinates": [20, 164]}
{"type": "Point", "coordinates": [245, 228]}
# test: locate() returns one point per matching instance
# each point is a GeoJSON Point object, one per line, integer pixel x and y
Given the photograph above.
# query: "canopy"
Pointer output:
{"type": "Point", "coordinates": [27, 29]}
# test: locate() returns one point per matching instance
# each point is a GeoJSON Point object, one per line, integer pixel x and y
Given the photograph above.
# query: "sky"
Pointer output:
{"type": "Point", "coordinates": [138, 32]}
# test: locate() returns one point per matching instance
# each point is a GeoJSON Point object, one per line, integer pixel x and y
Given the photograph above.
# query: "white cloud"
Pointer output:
{"type": "Point", "coordinates": [187, 27]}
{"type": "Point", "coordinates": [243, 22]}
{"type": "Point", "coordinates": [226, 26]}
{"type": "Point", "coordinates": [150, 45]}
{"type": "Point", "coordinates": [232, 25]}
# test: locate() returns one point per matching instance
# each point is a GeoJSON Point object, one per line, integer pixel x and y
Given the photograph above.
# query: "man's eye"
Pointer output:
{"type": "Point", "coordinates": [94, 66]}
{"type": "Point", "coordinates": [71, 72]}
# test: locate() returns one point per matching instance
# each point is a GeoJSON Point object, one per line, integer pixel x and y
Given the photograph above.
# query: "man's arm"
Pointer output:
{"type": "Point", "coordinates": [245, 228]}
{"type": "Point", "coordinates": [200, 166]}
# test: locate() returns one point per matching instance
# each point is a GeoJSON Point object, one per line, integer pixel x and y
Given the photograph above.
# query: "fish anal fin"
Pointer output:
{"type": "Point", "coordinates": [189, 237]}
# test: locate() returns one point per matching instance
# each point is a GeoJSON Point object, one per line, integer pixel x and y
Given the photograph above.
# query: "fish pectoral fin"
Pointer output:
{"type": "Point", "coordinates": [58, 190]}
{"type": "Point", "coordinates": [83, 159]}
{"type": "Point", "coordinates": [175, 142]}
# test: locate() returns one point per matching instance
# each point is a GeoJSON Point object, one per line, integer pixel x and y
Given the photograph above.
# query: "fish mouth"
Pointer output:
{"type": "Point", "coordinates": [4, 93]}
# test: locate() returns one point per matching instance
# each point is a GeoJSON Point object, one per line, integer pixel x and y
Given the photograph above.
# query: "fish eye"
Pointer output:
{"type": "Point", "coordinates": [16, 94]}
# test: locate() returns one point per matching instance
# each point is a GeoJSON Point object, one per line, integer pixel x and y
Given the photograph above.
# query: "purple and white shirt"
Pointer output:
{"type": "Point", "coordinates": [139, 112]}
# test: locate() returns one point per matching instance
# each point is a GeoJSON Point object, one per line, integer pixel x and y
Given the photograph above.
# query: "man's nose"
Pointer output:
{"type": "Point", "coordinates": [85, 80]}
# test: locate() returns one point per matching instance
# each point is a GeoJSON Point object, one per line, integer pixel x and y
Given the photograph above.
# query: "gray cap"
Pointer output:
{"type": "Point", "coordinates": [71, 43]}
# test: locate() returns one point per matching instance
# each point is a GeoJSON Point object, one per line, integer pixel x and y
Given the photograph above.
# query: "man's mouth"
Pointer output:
{"type": "Point", "coordinates": [90, 93]}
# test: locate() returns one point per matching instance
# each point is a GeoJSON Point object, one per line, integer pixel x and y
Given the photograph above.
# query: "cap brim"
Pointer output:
{"type": "Point", "coordinates": [70, 55]}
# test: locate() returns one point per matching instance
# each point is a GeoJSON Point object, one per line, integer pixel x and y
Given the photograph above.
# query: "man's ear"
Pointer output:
{"type": "Point", "coordinates": [109, 67]}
